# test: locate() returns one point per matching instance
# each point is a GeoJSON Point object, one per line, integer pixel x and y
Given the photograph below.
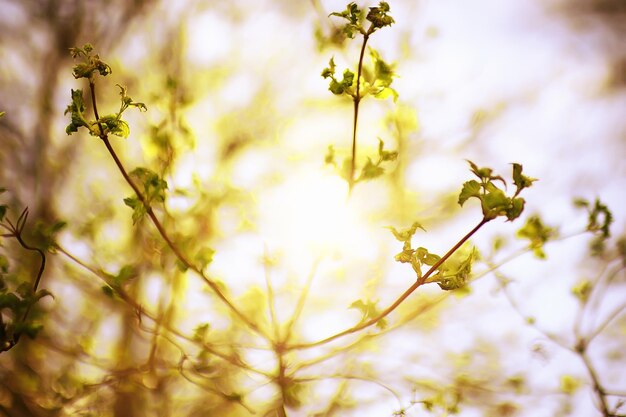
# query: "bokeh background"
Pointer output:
{"type": "Point", "coordinates": [238, 123]}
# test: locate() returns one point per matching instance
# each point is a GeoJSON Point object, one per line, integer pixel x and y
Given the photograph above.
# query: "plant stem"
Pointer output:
{"type": "Point", "coordinates": [400, 299]}
{"type": "Point", "coordinates": [597, 387]}
{"type": "Point", "coordinates": [357, 99]}
{"type": "Point", "coordinates": [181, 257]}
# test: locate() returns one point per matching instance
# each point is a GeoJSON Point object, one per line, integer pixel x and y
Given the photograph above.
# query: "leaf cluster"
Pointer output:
{"type": "Point", "coordinates": [339, 87]}
{"type": "Point", "coordinates": [105, 125]}
{"type": "Point", "coordinates": [372, 168]}
{"type": "Point", "coordinates": [376, 81]}
{"type": "Point", "coordinates": [599, 220]}
{"type": "Point", "coordinates": [493, 200]}
{"type": "Point", "coordinates": [537, 233]}
{"type": "Point", "coordinates": [378, 17]}
{"type": "Point", "coordinates": [14, 305]}
{"type": "Point", "coordinates": [90, 64]}
{"type": "Point", "coordinates": [154, 188]}
{"type": "Point", "coordinates": [117, 282]}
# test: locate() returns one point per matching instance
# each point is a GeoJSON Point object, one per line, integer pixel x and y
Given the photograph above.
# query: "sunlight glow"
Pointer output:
{"type": "Point", "coordinates": [312, 213]}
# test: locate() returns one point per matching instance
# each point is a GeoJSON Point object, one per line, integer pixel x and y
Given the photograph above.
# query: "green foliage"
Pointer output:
{"type": "Point", "coordinates": [372, 169]}
{"type": "Point", "coordinates": [118, 281]}
{"type": "Point", "coordinates": [339, 87]}
{"type": "Point", "coordinates": [454, 273]}
{"type": "Point", "coordinates": [375, 82]}
{"type": "Point", "coordinates": [378, 80]}
{"type": "Point", "coordinates": [494, 202]}
{"type": "Point", "coordinates": [537, 233]}
{"type": "Point", "coordinates": [582, 290]}
{"type": "Point", "coordinates": [599, 220]}
{"type": "Point", "coordinates": [204, 257]}
{"type": "Point", "coordinates": [15, 304]}
{"type": "Point", "coordinates": [569, 384]}
{"type": "Point", "coordinates": [154, 188]}
{"type": "Point", "coordinates": [379, 17]}
{"type": "Point", "coordinates": [45, 235]}
{"type": "Point", "coordinates": [76, 110]}
{"type": "Point", "coordinates": [354, 16]}
{"type": "Point", "coordinates": [105, 125]}
{"type": "Point", "coordinates": [90, 63]}
{"type": "Point", "coordinates": [369, 310]}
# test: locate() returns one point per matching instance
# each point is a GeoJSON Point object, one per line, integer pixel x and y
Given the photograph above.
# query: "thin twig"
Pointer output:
{"type": "Point", "coordinates": [356, 100]}
{"type": "Point", "coordinates": [399, 300]}
{"type": "Point", "coordinates": [301, 301]}
{"type": "Point", "coordinates": [181, 257]}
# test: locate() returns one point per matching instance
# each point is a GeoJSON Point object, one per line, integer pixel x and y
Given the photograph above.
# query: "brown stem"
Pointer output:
{"type": "Point", "coordinates": [181, 257]}
{"type": "Point", "coordinates": [357, 100]}
{"type": "Point", "coordinates": [400, 299]}
{"type": "Point", "coordinates": [597, 387]}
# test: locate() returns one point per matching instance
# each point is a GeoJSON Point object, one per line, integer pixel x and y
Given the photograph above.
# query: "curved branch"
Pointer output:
{"type": "Point", "coordinates": [399, 300]}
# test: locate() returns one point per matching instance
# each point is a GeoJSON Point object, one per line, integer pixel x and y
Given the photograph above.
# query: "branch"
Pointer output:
{"type": "Point", "coordinates": [399, 300]}
{"type": "Point", "coordinates": [356, 99]}
{"type": "Point", "coordinates": [181, 257]}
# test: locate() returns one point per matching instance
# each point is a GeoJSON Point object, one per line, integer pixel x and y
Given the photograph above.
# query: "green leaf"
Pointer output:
{"type": "Point", "coordinates": [582, 290]}
{"type": "Point", "coordinates": [370, 171]}
{"type": "Point", "coordinates": [138, 208]}
{"type": "Point", "coordinates": [521, 181]}
{"type": "Point", "coordinates": [4, 268]}
{"type": "Point", "coordinates": [406, 256]}
{"type": "Point", "coordinates": [369, 310]}
{"type": "Point", "coordinates": [515, 209]}
{"type": "Point", "coordinates": [330, 70]}
{"type": "Point", "coordinates": [108, 291]}
{"type": "Point", "coordinates": [153, 186]}
{"type": "Point", "coordinates": [470, 189]}
{"type": "Point", "coordinates": [600, 219]}
{"type": "Point", "coordinates": [200, 332]}
{"type": "Point", "coordinates": [379, 17]}
{"type": "Point", "coordinates": [204, 257]}
{"type": "Point", "coordinates": [91, 63]}
{"type": "Point", "coordinates": [10, 301]}
{"type": "Point", "coordinates": [407, 234]}
{"type": "Point", "coordinates": [76, 110]}
{"type": "Point", "coordinates": [114, 125]}
{"type": "Point", "coordinates": [351, 13]}
{"type": "Point", "coordinates": [28, 328]}
{"type": "Point", "coordinates": [570, 384]}
{"type": "Point", "coordinates": [462, 268]}
{"type": "Point", "coordinates": [385, 155]}
{"type": "Point", "coordinates": [537, 233]}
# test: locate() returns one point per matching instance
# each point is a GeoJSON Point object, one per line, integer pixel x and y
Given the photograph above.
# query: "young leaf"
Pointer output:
{"type": "Point", "coordinates": [384, 155]}
{"type": "Point", "coordinates": [138, 208]}
{"type": "Point", "coordinates": [406, 235]}
{"type": "Point", "coordinates": [582, 290]}
{"type": "Point", "coordinates": [204, 257]}
{"type": "Point", "coordinates": [537, 233]}
{"type": "Point", "coordinates": [76, 110]}
{"type": "Point", "coordinates": [470, 189]}
{"type": "Point", "coordinates": [369, 310]}
{"type": "Point", "coordinates": [370, 171]}
{"type": "Point", "coordinates": [521, 181]}
{"type": "Point", "coordinates": [379, 17]}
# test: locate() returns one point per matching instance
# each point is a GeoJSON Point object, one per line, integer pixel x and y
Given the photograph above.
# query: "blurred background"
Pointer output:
{"type": "Point", "coordinates": [238, 123]}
